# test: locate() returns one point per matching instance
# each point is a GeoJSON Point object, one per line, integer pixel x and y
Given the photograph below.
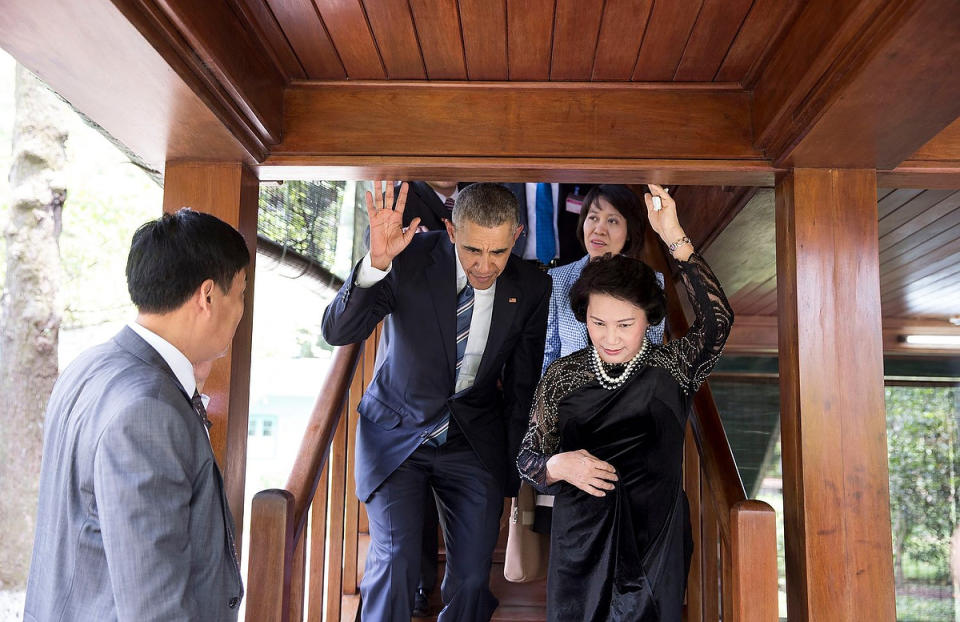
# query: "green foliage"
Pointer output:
{"type": "Point", "coordinates": [98, 223]}
{"type": "Point", "coordinates": [924, 464]}
{"type": "Point", "coordinates": [303, 216]}
{"type": "Point", "coordinates": [916, 608]}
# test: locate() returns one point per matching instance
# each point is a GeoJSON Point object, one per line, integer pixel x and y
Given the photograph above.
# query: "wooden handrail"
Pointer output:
{"type": "Point", "coordinates": [315, 445]}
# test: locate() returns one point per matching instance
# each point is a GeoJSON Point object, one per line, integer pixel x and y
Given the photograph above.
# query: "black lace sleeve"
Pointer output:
{"type": "Point", "coordinates": [690, 359]}
{"type": "Point", "coordinates": [542, 439]}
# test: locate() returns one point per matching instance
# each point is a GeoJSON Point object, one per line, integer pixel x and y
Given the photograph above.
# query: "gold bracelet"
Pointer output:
{"type": "Point", "coordinates": [682, 241]}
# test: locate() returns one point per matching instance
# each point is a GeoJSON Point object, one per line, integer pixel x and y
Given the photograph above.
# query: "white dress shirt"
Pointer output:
{"type": "Point", "coordinates": [530, 250]}
{"type": "Point", "coordinates": [181, 366]}
{"type": "Point", "coordinates": [367, 276]}
{"type": "Point", "coordinates": [443, 198]}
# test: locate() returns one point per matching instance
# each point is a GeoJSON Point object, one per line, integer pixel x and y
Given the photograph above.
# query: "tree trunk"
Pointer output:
{"type": "Point", "coordinates": [30, 319]}
{"type": "Point", "coordinates": [899, 543]}
{"type": "Point", "coordinates": [955, 571]}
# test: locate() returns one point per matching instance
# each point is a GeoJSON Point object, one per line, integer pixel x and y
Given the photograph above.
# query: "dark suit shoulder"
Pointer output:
{"type": "Point", "coordinates": [529, 274]}
{"type": "Point", "coordinates": [421, 247]}
{"type": "Point", "coordinates": [424, 203]}
{"type": "Point", "coordinates": [111, 369]}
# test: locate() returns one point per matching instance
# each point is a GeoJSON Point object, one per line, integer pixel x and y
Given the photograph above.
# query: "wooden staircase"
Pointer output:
{"type": "Point", "coordinates": [308, 550]}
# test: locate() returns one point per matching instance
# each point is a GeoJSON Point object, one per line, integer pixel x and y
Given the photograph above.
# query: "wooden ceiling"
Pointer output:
{"type": "Point", "coordinates": [523, 40]}
{"type": "Point", "coordinates": [919, 247]}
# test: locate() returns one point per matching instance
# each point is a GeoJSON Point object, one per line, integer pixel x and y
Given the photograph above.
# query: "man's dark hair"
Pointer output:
{"type": "Point", "coordinates": [625, 201]}
{"type": "Point", "coordinates": [487, 205]}
{"type": "Point", "coordinates": [622, 277]}
{"type": "Point", "coordinates": [170, 257]}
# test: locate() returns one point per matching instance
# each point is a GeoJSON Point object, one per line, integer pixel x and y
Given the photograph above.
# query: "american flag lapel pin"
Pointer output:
{"type": "Point", "coordinates": [511, 299]}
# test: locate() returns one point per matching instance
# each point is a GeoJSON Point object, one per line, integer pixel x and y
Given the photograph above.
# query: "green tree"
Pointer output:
{"type": "Point", "coordinates": [302, 216]}
{"type": "Point", "coordinates": [924, 465]}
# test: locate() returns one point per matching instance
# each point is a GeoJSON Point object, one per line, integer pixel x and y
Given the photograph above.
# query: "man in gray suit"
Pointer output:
{"type": "Point", "coordinates": [132, 522]}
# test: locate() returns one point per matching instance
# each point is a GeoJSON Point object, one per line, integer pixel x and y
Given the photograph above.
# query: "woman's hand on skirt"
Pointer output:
{"type": "Point", "coordinates": [583, 470]}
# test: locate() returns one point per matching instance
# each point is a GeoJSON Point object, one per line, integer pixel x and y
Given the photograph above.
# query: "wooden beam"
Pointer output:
{"type": "Point", "coordinates": [220, 57]}
{"type": "Point", "coordinates": [91, 54]}
{"type": "Point", "coordinates": [854, 83]}
{"type": "Point", "coordinates": [836, 498]}
{"type": "Point", "coordinates": [814, 42]}
{"type": "Point", "coordinates": [567, 170]}
{"type": "Point", "coordinates": [934, 165]}
{"type": "Point", "coordinates": [754, 335]}
{"type": "Point", "coordinates": [518, 119]}
{"type": "Point", "coordinates": [945, 146]}
{"type": "Point", "coordinates": [229, 191]}
{"type": "Point", "coordinates": [943, 175]}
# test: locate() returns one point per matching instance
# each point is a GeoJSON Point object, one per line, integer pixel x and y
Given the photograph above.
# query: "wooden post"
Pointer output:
{"type": "Point", "coordinates": [271, 556]}
{"type": "Point", "coordinates": [753, 561]}
{"type": "Point", "coordinates": [230, 192]}
{"type": "Point", "coordinates": [836, 488]}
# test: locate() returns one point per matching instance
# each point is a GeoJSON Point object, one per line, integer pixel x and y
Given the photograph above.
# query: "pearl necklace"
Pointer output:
{"type": "Point", "coordinates": [608, 382]}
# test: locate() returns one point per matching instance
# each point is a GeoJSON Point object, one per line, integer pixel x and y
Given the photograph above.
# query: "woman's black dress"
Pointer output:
{"type": "Point", "coordinates": [625, 556]}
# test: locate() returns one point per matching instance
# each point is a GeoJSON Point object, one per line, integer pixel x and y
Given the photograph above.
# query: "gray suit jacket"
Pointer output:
{"type": "Point", "coordinates": [132, 521]}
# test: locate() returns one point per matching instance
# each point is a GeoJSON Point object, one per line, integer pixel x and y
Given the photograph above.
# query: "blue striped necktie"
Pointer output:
{"type": "Point", "coordinates": [546, 245]}
{"type": "Point", "coordinates": [464, 314]}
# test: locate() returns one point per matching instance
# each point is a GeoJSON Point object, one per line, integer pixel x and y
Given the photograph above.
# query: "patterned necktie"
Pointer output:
{"type": "Point", "coordinates": [546, 245]}
{"type": "Point", "coordinates": [200, 409]}
{"type": "Point", "coordinates": [449, 205]}
{"type": "Point", "coordinates": [464, 314]}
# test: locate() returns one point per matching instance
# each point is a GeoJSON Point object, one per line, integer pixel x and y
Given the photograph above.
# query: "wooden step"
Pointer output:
{"type": "Point", "coordinates": [503, 614]}
{"type": "Point", "coordinates": [524, 602]}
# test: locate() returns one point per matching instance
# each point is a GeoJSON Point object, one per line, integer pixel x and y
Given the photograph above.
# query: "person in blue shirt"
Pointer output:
{"type": "Point", "coordinates": [612, 220]}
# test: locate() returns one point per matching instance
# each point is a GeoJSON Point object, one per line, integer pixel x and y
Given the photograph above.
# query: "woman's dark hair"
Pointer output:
{"type": "Point", "coordinates": [622, 277]}
{"type": "Point", "coordinates": [625, 201]}
{"type": "Point", "coordinates": [170, 257]}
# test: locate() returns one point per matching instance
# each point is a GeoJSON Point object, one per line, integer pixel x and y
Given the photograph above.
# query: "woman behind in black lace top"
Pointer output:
{"type": "Point", "coordinates": [606, 437]}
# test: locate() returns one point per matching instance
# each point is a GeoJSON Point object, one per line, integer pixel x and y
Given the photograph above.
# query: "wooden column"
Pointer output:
{"type": "Point", "coordinates": [836, 498]}
{"type": "Point", "coordinates": [229, 191]}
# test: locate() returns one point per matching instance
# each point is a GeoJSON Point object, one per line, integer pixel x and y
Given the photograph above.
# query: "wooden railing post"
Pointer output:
{"type": "Point", "coordinates": [298, 579]}
{"type": "Point", "coordinates": [692, 485]}
{"type": "Point", "coordinates": [753, 549]}
{"type": "Point", "coordinates": [318, 555]}
{"type": "Point", "coordinates": [710, 551]}
{"type": "Point", "coordinates": [271, 556]}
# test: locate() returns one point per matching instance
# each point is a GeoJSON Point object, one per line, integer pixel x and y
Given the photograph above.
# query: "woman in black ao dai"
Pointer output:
{"type": "Point", "coordinates": [606, 437]}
